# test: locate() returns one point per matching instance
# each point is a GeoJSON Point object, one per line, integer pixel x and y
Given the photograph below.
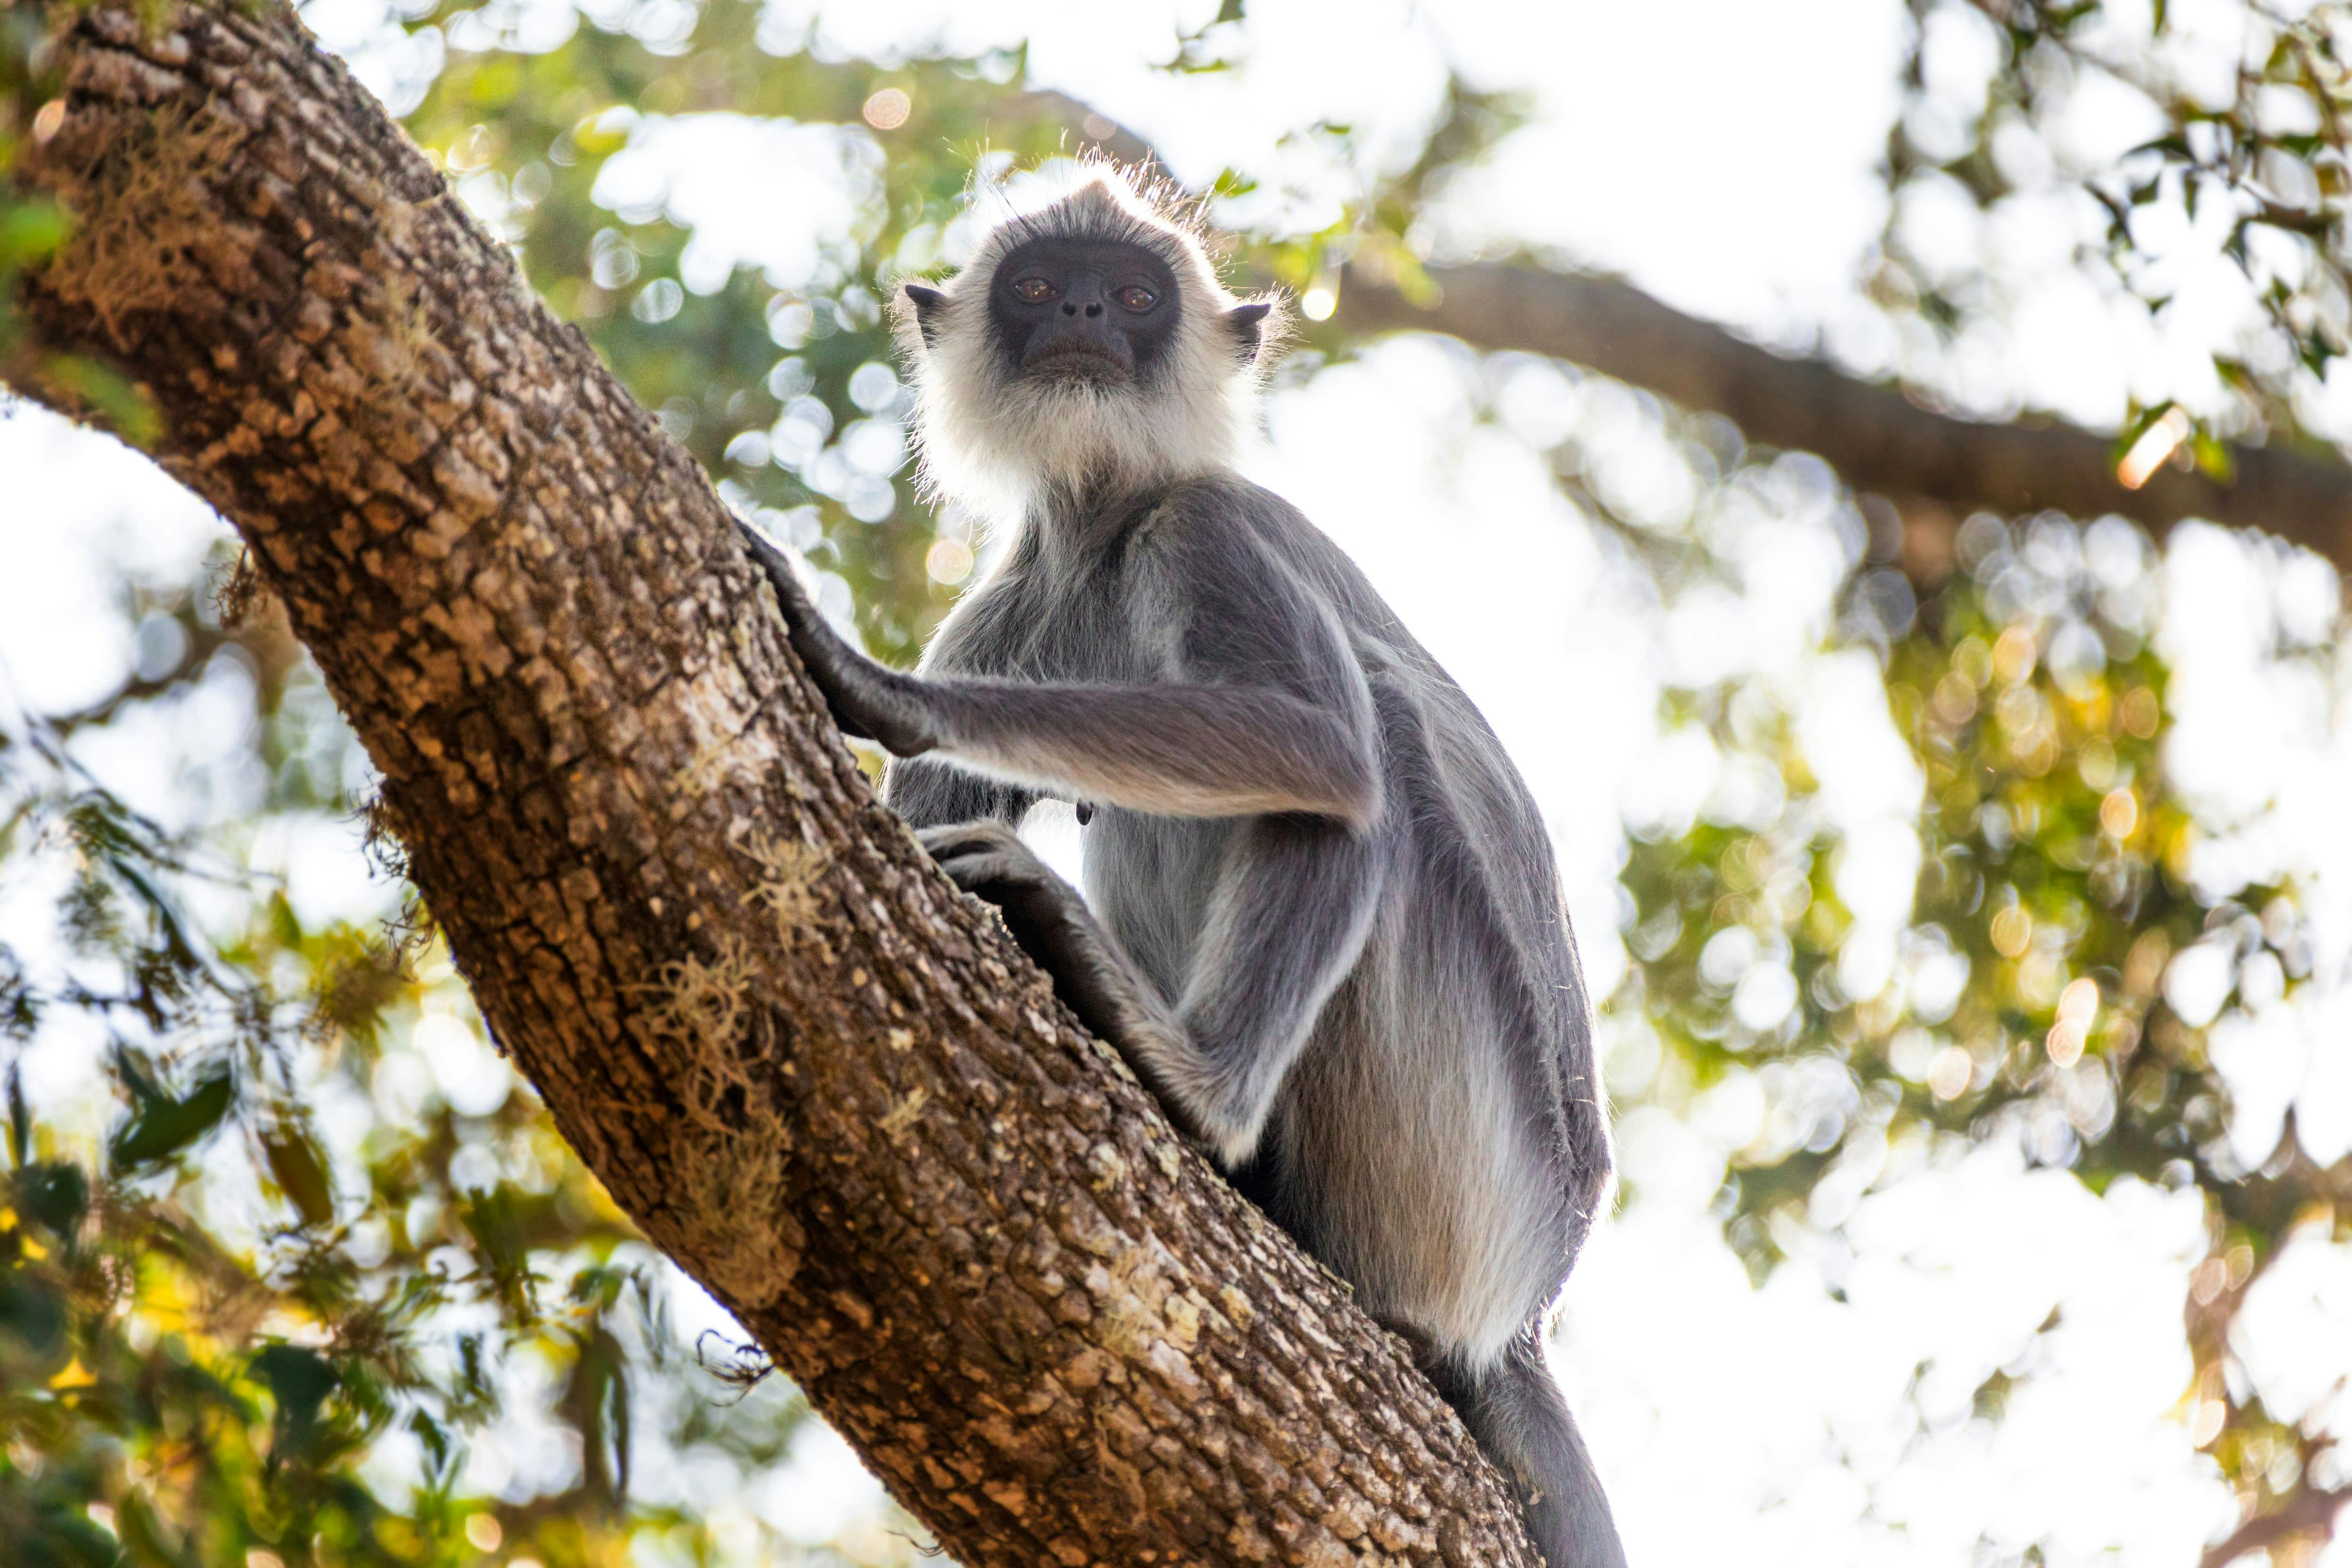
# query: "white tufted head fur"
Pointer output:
{"type": "Point", "coordinates": [994, 441]}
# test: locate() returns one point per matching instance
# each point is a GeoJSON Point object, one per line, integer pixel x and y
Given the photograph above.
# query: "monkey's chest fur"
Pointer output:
{"type": "Point", "coordinates": [1440, 1140]}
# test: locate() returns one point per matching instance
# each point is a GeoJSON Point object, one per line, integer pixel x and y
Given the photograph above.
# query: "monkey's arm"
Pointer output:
{"type": "Point", "coordinates": [1289, 919]}
{"type": "Point", "coordinates": [1169, 750]}
{"type": "Point", "coordinates": [1225, 750]}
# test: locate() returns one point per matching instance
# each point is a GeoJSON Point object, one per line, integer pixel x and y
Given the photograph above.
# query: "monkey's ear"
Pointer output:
{"type": "Point", "coordinates": [1247, 325]}
{"type": "Point", "coordinates": [927, 303]}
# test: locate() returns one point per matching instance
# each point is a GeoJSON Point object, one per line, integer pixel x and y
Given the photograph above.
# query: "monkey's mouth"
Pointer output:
{"type": "Point", "coordinates": [1081, 361]}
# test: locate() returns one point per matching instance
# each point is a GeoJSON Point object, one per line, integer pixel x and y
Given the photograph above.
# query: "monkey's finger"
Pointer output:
{"type": "Point", "coordinates": [813, 638]}
{"type": "Point", "coordinates": [979, 869]}
{"type": "Point", "coordinates": [956, 838]}
{"type": "Point", "coordinates": [993, 875]}
{"type": "Point", "coordinates": [776, 567]}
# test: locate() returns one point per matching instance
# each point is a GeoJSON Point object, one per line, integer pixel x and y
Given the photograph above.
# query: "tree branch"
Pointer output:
{"type": "Point", "coordinates": [1871, 434]}
{"type": "Point", "coordinates": [1937, 466]}
{"type": "Point", "coordinates": [816, 1076]}
{"type": "Point", "coordinates": [2306, 1513]}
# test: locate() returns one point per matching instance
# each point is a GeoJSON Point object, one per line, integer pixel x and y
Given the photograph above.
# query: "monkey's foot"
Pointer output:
{"type": "Point", "coordinates": [987, 859]}
{"type": "Point", "coordinates": [1048, 917]}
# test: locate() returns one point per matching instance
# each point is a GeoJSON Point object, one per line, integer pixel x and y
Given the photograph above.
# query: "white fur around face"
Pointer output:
{"type": "Point", "coordinates": [995, 442]}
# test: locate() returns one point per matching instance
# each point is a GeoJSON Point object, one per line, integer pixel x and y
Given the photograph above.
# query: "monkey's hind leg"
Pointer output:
{"type": "Point", "coordinates": [1516, 1412]}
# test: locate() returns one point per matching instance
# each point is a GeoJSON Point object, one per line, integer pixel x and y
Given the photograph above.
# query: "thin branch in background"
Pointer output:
{"type": "Point", "coordinates": [2307, 1513]}
{"type": "Point", "coordinates": [742, 1366]}
{"type": "Point", "coordinates": [1877, 435]}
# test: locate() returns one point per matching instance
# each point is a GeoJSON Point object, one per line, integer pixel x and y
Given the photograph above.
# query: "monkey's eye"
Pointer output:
{"type": "Point", "coordinates": [1033, 290]}
{"type": "Point", "coordinates": [1136, 298]}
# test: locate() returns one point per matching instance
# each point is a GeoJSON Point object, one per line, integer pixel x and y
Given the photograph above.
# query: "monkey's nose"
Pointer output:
{"type": "Point", "coordinates": [1094, 310]}
{"type": "Point", "coordinates": [1068, 309]}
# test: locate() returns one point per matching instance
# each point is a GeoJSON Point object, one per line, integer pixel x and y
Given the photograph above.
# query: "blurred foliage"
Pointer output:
{"type": "Point", "coordinates": [2061, 969]}
{"type": "Point", "coordinates": [2247, 110]}
{"type": "Point", "coordinates": [217, 1318]}
{"type": "Point", "coordinates": [211, 1320]}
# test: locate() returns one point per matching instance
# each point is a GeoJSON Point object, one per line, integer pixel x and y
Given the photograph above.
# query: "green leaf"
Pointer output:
{"type": "Point", "coordinates": [20, 1120]}
{"type": "Point", "coordinates": [55, 1195]}
{"type": "Point", "coordinates": [164, 1125]}
{"type": "Point", "coordinates": [122, 404]}
{"type": "Point", "coordinates": [33, 1315]}
{"type": "Point", "coordinates": [2172, 143]}
{"type": "Point", "coordinates": [595, 1401]}
{"type": "Point", "coordinates": [67, 1540]}
{"type": "Point", "coordinates": [301, 1172]}
{"type": "Point", "coordinates": [2213, 456]}
{"type": "Point", "coordinates": [31, 231]}
{"type": "Point", "coordinates": [300, 1380]}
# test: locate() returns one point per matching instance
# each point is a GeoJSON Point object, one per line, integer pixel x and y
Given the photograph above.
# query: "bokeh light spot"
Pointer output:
{"type": "Point", "coordinates": [949, 561]}
{"type": "Point", "coordinates": [888, 109]}
{"type": "Point", "coordinates": [2155, 444]}
{"type": "Point", "coordinates": [2119, 814]}
{"type": "Point", "coordinates": [1948, 1078]}
{"type": "Point", "coordinates": [2012, 929]}
{"type": "Point", "coordinates": [2210, 1415]}
{"type": "Point", "coordinates": [2012, 656]}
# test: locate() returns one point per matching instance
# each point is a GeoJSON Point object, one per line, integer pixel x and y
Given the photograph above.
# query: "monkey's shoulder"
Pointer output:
{"type": "Point", "coordinates": [1212, 510]}
{"type": "Point", "coordinates": [1221, 532]}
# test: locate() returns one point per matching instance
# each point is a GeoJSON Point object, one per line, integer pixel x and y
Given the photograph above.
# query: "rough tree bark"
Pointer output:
{"type": "Point", "coordinates": [1872, 435]}
{"type": "Point", "coordinates": [827, 1086]}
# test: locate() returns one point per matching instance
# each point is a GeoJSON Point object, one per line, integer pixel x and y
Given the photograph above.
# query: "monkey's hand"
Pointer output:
{"type": "Point", "coordinates": [1053, 925]}
{"type": "Point", "coordinates": [867, 700]}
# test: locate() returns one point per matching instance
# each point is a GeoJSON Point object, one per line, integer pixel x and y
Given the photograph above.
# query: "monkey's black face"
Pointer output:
{"type": "Point", "coordinates": [1084, 309]}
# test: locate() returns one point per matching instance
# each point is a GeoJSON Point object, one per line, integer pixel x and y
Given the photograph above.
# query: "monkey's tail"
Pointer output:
{"type": "Point", "coordinates": [1514, 1410]}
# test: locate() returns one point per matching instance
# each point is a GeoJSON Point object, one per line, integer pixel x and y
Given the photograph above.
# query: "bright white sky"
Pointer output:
{"type": "Point", "coordinates": [1720, 153]}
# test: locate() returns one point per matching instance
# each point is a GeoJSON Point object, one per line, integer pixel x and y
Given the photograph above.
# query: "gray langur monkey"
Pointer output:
{"type": "Point", "coordinates": [1326, 927]}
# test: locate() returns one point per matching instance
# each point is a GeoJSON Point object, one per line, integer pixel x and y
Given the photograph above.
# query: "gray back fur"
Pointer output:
{"type": "Point", "coordinates": [1441, 1140]}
